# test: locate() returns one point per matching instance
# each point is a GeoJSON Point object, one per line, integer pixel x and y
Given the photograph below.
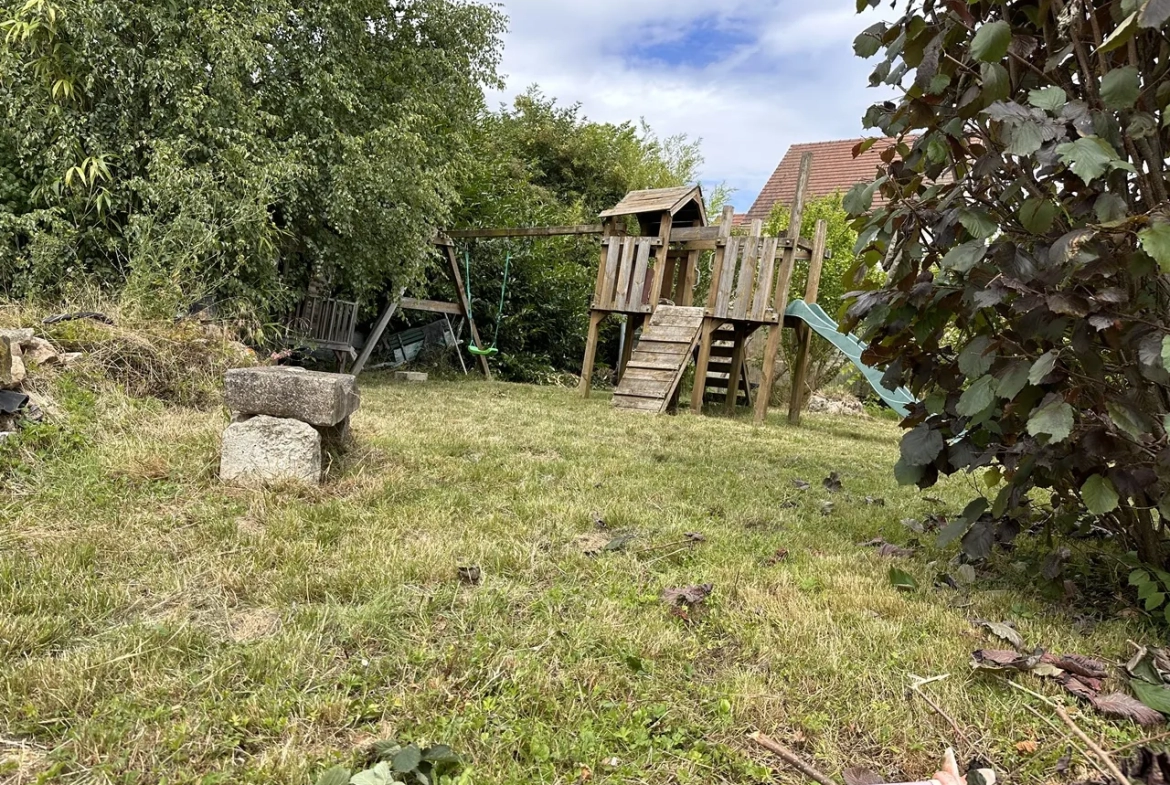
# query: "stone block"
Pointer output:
{"type": "Point", "coordinates": [320, 399]}
{"type": "Point", "coordinates": [11, 364]}
{"type": "Point", "coordinates": [39, 352]}
{"type": "Point", "coordinates": [411, 377]}
{"type": "Point", "coordinates": [17, 336]}
{"type": "Point", "coordinates": [266, 449]}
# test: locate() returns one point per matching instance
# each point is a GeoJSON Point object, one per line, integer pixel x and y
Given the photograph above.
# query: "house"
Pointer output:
{"type": "Point", "coordinates": [833, 169]}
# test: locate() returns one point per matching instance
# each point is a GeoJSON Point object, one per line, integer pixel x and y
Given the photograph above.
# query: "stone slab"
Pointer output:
{"type": "Point", "coordinates": [11, 364]}
{"type": "Point", "coordinates": [412, 377]}
{"type": "Point", "coordinates": [266, 449]}
{"type": "Point", "coordinates": [18, 335]}
{"type": "Point", "coordinates": [320, 399]}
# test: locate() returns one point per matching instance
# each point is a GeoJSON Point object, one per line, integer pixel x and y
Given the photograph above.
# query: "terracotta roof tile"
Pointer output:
{"type": "Point", "coordinates": [833, 169]}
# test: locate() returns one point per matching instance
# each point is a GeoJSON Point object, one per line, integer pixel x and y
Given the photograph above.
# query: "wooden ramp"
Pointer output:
{"type": "Point", "coordinates": [660, 359]}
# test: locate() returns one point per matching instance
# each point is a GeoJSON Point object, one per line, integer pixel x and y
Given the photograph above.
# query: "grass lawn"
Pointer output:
{"type": "Point", "coordinates": [157, 627]}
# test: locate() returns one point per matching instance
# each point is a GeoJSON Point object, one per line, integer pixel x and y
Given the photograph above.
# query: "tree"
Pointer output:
{"type": "Point", "coordinates": [234, 149]}
{"type": "Point", "coordinates": [1025, 248]}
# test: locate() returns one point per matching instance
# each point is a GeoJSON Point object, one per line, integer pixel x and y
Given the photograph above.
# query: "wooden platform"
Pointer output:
{"type": "Point", "coordinates": [660, 359]}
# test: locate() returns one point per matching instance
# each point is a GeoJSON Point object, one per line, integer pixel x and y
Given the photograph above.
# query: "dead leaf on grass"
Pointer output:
{"type": "Point", "coordinates": [619, 543]}
{"type": "Point", "coordinates": [1027, 747]}
{"type": "Point", "coordinates": [1118, 704]}
{"type": "Point", "coordinates": [1003, 632]}
{"type": "Point", "coordinates": [827, 508]}
{"type": "Point", "coordinates": [889, 550]}
{"type": "Point", "coordinates": [1080, 665]}
{"type": "Point", "coordinates": [599, 521]}
{"type": "Point", "coordinates": [695, 537]}
{"type": "Point", "coordinates": [875, 501]}
{"type": "Point", "coordinates": [1065, 763]}
{"type": "Point", "coordinates": [472, 575]}
{"type": "Point", "coordinates": [780, 555]}
{"type": "Point", "coordinates": [832, 483]}
{"type": "Point", "coordinates": [687, 596]}
{"type": "Point", "coordinates": [1002, 660]}
{"type": "Point", "coordinates": [801, 485]}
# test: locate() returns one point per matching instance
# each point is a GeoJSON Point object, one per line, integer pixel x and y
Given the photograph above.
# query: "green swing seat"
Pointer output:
{"type": "Point", "coordinates": [472, 348]}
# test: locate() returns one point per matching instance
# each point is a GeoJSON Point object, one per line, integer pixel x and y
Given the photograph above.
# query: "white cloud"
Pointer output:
{"type": "Point", "coordinates": [793, 77]}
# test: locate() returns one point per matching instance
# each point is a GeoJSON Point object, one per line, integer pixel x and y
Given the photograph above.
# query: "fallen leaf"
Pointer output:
{"type": "Point", "coordinates": [1081, 686]}
{"type": "Point", "coordinates": [1027, 747]}
{"type": "Point", "coordinates": [826, 508]}
{"type": "Point", "coordinates": [999, 659]}
{"type": "Point", "coordinates": [619, 543]}
{"type": "Point", "coordinates": [687, 595]}
{"type": "Point", "coordinates": [891, 551]}
{"type": "Point", "coordinates": [914, 525]}
{"type": "Point", "coordinates": [902, 580]}
{"type": "Point", "coordinates": [1047, 671]}
{"type": "Point", "coordinates": [611, 763]}
{"type": "Point", "coordinates": [1002, 631]}
{"type": "Point", "coordinates": [695, 537]}
{"type": "Point", "coordinates": [599, 521]}
{"type": "Point", "coordinates": [780, 555]}
{"type": "Point", "coordinates": [801, 485]}
{"type": "Point", "coordinates": [875, 501]}
{"type": "Point", "coordinates": [586, 774]}
{"type": "Point", "coordinates": [1065, 763]}
{"type": "Point", "coordinates": [471, 575]}
{"type": "Point", "coordinates": [966, 574]}
{"type": "Point", "coordinates": [1080, 665]}
{"type": "Point", "coordinates": [1118, 704]}
{"type": "Point", "coordinates": [933, 500]}
{"type": "Point", "coordinates": [861, 776]}
{"type": "Point", "coordinates": [832, 483]}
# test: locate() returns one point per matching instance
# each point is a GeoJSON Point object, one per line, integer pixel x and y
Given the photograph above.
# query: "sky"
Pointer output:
{"type": "Point", "coordinates": [747, 77]}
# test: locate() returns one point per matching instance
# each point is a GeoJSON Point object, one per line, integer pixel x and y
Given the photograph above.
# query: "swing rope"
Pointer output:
{"type": "Point", "coordinates": [491, 350]}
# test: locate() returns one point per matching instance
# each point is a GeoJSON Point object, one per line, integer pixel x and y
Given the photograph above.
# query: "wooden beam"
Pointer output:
{"type": "Point", "coordinates": [804, 334]}
{"type": "Point", "coordinates": [430, 306]}
{"type": "Point", "coordinates": [376, 336]}
{"type": "Point", "coordinates": [527, 231]}
{"type": "Point", "coordinates": [780, 299]}
{"type": "Point", "coordinates": [457, 278]}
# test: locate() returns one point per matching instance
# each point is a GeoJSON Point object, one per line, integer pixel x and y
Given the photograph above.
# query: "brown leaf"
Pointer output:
{"type": "Point", "coordinates": [1078, 664]}
{"type": "Point", "coordinates": [890, 551]}
{"type": "Point", "coordinates": [832, 483]}
{"type": "Point", "coordinates": [999, 659]}
{"type": "Point", "coordinates": [1027, 747]}
{"type": "Point", "coordinates": [471, 575]}
{"type": "Point", "coordinates": [861, 776]}
{"type": "Point", "coordinates": [1003, 631]}
{"type": "Point", "coordinates": [1081, 686]}
{"type": "Point", "coordinates": [1121, 705]}
{"type": "Point", "coordinates": [687, 595]}
{"type": "Point", "coordinates": [780, 555]}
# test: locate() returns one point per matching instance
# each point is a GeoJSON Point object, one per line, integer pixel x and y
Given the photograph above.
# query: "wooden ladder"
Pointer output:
{"type": "Point", "coordinates": [659, 360]}
{"type": "Point", "coordinates": [719, 371]}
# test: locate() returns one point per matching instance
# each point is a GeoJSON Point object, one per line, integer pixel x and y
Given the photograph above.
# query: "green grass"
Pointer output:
{"type": "Point", "coordinates": [156, 626]}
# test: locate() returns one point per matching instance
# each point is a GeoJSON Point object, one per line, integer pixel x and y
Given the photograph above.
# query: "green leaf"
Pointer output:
{"type": "Point", "coordinates": [407, 759]}
{"type": "Point", "coordinates": [1043, 367]}
{"type": "Point", "coordinates": [867, 44]}
{"type": "Point", "coordinates": [1090, 157]}
{"type": "Point", "coordinates": [975, 359]}
{"type": "Point", "coordinates": [1121, 34]}
{"type": "Point", "coordinates": [1110, 208]}
{"type": "Point", "coordinates": [954, 530]}
{"type": "Point", "coordinates": [1155, 601]}
{"type": "Point", "coordinates": [1154, 13]}
{"type": "Point", "coordinates": [997, 84]}
{"type": "Point", "coordinates": [1055, 420]}
{"type": "Point", "coordinates": [1155, 241]}
{"type": "Point", "coordinates": [440, 753]}
{"type": "Point", "coordinates": [1134, 424]}
{"type": "Point", "coordinates": [978, 223]}
{"type": "Point", "coordinates": [991, 43]}
{"type": "Point", "coordinates": [906, 474]}
{"type": "Point", "coordinates": [921, 446]}
{"type": "Point", "coordinates": [1037, 215]}
{"type": "Point", "coordinates": [859, 200]}
{"type": "Point", "coordinates": [1139, 578]}
{"type": "Point", "coordinates": [1050, 99]}
{"type": "Point", "coordinates": [338, 775]}
{"type": "Point", "coordinates": [902, 580]}
{"type": "Point", "coordinates": [977, 397]}
{"type": "Point", "coordinates": [1026, 138]}
{"type": "Point", "coordinates": [1157, 697]}
{"type": "Point", "coordinates": [1014, 379]}
{"type": "Point", "coordinates": [1166, 352]}
{"type": "Point", "coordinates": [963, 257]}
{"type": "Point", "coordinates": [1100, 496]}
{"type": "Point", "coordinates": [1121, 87]}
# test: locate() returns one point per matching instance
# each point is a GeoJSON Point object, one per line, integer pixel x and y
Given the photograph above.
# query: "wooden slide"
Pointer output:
{"type": "Point", "coordinates": [660, 359]}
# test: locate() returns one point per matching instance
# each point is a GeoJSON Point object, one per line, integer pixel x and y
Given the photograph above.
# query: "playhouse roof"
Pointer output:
{"type": "Point", "coordinates": [660, 200]}
{"type": "Point", "coordinates": [833, 169]}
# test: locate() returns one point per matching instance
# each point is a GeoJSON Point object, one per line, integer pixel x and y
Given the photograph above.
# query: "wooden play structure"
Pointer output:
{"type": "Point", "coordinates": [650, 278]}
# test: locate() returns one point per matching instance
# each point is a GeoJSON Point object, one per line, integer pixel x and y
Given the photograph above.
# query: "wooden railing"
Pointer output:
{"type": "Point", "coordinates": [743, 279]}
{"type": "Point", "coordinates": [626, 279]}
{"type": "Point", "coordinates": [327, 322]}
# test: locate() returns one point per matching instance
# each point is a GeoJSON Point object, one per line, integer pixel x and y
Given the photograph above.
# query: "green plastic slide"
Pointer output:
{"type": "Point", "coordinates": [815, 317]}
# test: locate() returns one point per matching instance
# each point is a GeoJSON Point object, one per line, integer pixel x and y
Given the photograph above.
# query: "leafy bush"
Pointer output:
{"type": "Point", "coordinates": [1025, 247]}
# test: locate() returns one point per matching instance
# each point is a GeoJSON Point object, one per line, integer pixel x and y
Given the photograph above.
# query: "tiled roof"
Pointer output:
{"type": "Point", "coordinates": [833, 169]}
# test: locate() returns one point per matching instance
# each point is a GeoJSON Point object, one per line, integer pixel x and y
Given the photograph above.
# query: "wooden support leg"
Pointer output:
{"type": "Point", "coordinates": [631, 327]}
{"type": "Point", "coordinates": [800, 370]}
{"type": "Point", "coordinates": [701, 365]}
{"type": "Point", "coordinates": [736, 374]}
{"type": "Point", "coordinates": [595, 320]}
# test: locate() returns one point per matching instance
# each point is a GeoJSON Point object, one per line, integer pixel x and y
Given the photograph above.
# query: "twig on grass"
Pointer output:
{"type": "Point", "coordinates": [1142, 742]}
{"type": "Point", "coordinates": [1104, 757]}
{"type": "Point", "coordinates": [916, 688]}
{"type": "Point", "coordinates": [1067, 737]}
{"type": "Point", "coordinates": [791, 758]}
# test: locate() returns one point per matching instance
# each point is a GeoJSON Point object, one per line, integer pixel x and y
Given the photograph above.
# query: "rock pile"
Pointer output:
{"type": "Point", "coordinates": [850, 407]}
{"type": "Point", "coordinates": [281, 419]}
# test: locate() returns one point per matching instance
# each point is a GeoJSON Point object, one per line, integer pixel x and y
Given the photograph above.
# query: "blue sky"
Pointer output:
{"type": "Point", "coordinates": [748, 77]}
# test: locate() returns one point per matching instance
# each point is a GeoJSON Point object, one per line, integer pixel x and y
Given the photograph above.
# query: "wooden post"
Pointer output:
{"type": "Point", "coordinates": [661, 253]}
{"type": "Point", "coordinates": [457, 277]}
{"type": "Point", "coordinates": [804, 333]}
{"type": "Point", "coordinates": [376, 335]}
{"type": "Point", "coordinates": [631, 326]}
{"type": "Point", "coordinates": [735, 376]}
{"type": "Point", "coordinates": [595, 320]}
{"type": "Point", "coordinates": [780, 299]}
{"type": "Point", "coordinates": [686, 282]}
{"type": "Point", "coordinates": [710, 325]}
